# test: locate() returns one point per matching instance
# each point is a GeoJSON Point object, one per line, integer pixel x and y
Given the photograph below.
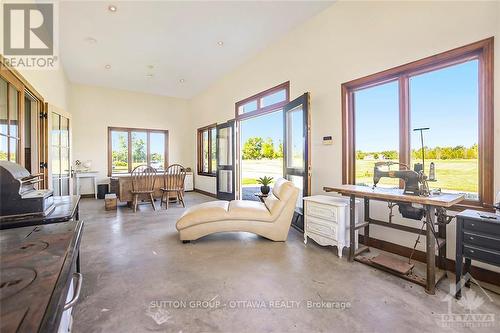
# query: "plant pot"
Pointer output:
{"type": "Point", "coordinates": [265, 189]}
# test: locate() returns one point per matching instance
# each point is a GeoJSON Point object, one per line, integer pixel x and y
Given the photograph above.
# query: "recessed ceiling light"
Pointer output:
{"type": "Point", "coordinates": [107, 66]}
{"type": "Point", "coordinates": [112, 8]}
{"type": "Point", "coordinates": [91, 40]}
{"type": "Point", "coordinates": [220, 43]}
{"type": "Point", "coordinates": [182, 81]}
{"type": "Point", "coordinates": [149, 75]}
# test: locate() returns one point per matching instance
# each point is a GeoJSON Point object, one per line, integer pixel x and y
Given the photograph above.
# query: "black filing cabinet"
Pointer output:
{"type": "Point", "coordinates": [478, 238]}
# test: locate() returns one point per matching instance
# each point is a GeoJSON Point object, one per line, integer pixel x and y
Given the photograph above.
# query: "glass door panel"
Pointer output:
{"type": "Point", "coordinates": [295, 138]}
{"type": "Point", "coordinates": [296, 167]}
{"type": "Point", "coordinates": [225, 161]}
{"type": "Point", "coordinates": [4, 119]}
{"type": "Point", "coordinates": [61, 165]}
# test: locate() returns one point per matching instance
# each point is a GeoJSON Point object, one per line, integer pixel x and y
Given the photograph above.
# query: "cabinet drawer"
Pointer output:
{"type": "Point", "coordinates": [322, 211]}
{"type": "Point", "coordinates": [323, 228]}
{"type": "Point", "coordinates": [487, 242]}
{"type": "Point", "coordinates": [482, 227]}
{"type": "Point", "coordinates": [489, 256]}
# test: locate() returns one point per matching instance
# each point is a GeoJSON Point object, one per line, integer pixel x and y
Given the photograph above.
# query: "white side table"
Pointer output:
{"type": "Point", "coordinates": [86, 174]}
{"type": "Point", "coordinates": [326, 221]}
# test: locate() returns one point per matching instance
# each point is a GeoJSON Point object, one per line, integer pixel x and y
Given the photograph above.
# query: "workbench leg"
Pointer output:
{"type": "Point", "coordinates": [442, 249]}
{"type": "Point", "coordinates": [352, 224]}
{"type": "Point", "coordinates": [366, 233]}
{"type": "Point", "coordinates": [430, 251]}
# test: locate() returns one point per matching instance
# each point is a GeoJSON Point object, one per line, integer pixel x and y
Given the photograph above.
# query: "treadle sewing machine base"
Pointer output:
{"type": "Point", "coordinates": [391, 265]}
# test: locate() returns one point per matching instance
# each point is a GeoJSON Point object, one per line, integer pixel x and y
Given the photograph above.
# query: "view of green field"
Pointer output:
{"type": "Point", "coordinates": [455, 174]}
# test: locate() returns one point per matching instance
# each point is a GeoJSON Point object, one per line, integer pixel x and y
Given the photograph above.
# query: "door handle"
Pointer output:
{"type": "Point", "coordinates": [76, 294]}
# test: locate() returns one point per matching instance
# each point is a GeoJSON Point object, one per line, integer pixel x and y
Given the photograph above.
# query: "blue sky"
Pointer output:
{"type": "Point", "coordinates": [445, 100]}
{"type": "Point", "coordinates": [268, 126]}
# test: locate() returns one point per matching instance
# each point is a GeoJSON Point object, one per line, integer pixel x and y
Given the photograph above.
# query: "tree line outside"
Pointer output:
{"type": "Point", "coordinates": [257, 148]}
{"type": "Point", "coordinates": [436, 153]}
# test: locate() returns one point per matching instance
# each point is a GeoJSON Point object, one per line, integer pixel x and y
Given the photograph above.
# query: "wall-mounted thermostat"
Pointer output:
{"type": "Point", "coordinates": [327, 140]}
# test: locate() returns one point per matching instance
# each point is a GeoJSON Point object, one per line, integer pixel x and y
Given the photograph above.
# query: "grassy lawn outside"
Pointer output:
{"type": "Point", "coordinates": [459, 175]}
{"type": "Point", "coordinates": [253, 169]}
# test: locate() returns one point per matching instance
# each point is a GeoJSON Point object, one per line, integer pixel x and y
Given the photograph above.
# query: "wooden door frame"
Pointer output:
{"type": "Point", "coordinates": [15, 78]}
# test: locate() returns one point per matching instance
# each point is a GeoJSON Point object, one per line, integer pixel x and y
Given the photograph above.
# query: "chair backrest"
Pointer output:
{"type": "Point", "coordinates": [143, 178]}
{"type": "Point", "coordinates": [174, 176]}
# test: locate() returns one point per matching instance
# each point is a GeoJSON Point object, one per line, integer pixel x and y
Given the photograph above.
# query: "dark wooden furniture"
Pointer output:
{"type": "Point", "coordinates": [39, 264]}
{"type": "Point", "coordinates": [261, 196]}
{"type": "Point", "coordinates": [478, 238]}
{"type": "Point", "coordinates": [66, 208]}
{"type": "Point", "coordinates": [143, 183]}
{"type": "Point", "coordinates": [173, 182]}
{"type": "Point", "coordinates": [396, 196]}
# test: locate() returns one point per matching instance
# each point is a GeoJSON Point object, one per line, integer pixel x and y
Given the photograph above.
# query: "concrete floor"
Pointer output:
{"type": "Point", "coordinates": [138, 277]}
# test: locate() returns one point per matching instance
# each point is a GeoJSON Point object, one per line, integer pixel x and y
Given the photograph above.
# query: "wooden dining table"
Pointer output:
{"type": "Point", "coordinates": [122, 186]}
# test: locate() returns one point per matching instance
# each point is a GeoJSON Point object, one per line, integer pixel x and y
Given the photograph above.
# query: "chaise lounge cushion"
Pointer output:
{"type": "Point", "coordinates": [246, 209]}
{"type": "Point", "coordinates": [270, 219]}
{"type": "Point", "coordinates": [203, 213]}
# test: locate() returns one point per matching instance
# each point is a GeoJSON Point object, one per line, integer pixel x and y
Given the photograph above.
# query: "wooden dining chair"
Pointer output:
{"type": "Point", "coordinates": [143, 183]}
{"type": "Point", "coordinates": [173, 181]}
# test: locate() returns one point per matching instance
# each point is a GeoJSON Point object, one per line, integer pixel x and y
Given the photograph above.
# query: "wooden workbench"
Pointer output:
{"type": "Point", "coordinates": [429, 203]}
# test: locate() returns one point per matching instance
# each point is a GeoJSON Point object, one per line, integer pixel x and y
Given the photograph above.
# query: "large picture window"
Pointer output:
{"type": "Point", "coordinates": [207, 158]}
{"type": "Point", "coordinates": [130, 147]}
{"type": "Point", "coordinates": [451, 94]}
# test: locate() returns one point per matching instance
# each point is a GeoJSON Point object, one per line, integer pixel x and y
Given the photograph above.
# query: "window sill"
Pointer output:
{"type": "Point", "coordinates": [206, 174]}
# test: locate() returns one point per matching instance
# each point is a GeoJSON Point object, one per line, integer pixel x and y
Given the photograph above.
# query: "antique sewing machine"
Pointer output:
{"type": "Point", "coordinates": [415, 182]}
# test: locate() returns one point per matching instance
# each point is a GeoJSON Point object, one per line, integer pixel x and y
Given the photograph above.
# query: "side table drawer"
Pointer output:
{"type": "Point", "coordinates": [482, 241]}
{"type": "Point", "coordinates": [482, 227]}
{"type": "Point", "coordinates": [488, 256]}
{"type": "Point", "coordinates": [323, 228]}
{"type": "Point", "coordinates": [321, 211]}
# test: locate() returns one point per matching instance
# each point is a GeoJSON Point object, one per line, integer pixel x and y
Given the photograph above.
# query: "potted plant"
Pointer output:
{"type": "Point", "coordinates": [265, 181]}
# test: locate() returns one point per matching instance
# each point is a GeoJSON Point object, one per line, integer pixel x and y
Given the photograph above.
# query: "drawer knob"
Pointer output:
{"type": "Point", "coordinates": [471, 238]}
{"type": "Point", "coordinates": [471, 251]}
{"type": "Point", "coordinates": [472, 224]}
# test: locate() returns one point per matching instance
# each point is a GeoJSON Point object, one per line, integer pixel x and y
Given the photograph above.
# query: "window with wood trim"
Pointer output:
{"type": "Point", "coordinates": [267, 101]}
{"type": "Point", "coordinates": [130, 147]}
{"type": "Point", "coordinates": [451, 94]}
{"type": "Point", "coordinates": [207, 143]}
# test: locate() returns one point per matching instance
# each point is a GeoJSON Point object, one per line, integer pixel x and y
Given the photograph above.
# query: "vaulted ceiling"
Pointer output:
{"type": "Point", "coordinates": [169, 48]}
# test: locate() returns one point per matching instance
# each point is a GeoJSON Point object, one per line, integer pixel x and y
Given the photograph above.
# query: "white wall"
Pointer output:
{"type": "Point", "coordinates": [93, 109]}
{"type": "Point", "coordinates": [51, 84]}
{"type": "Point", "coordinates": [350, 40]}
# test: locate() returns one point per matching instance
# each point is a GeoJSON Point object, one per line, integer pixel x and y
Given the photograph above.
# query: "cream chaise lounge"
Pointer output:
{"type": "Point", "coordinates": [271, 219]}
